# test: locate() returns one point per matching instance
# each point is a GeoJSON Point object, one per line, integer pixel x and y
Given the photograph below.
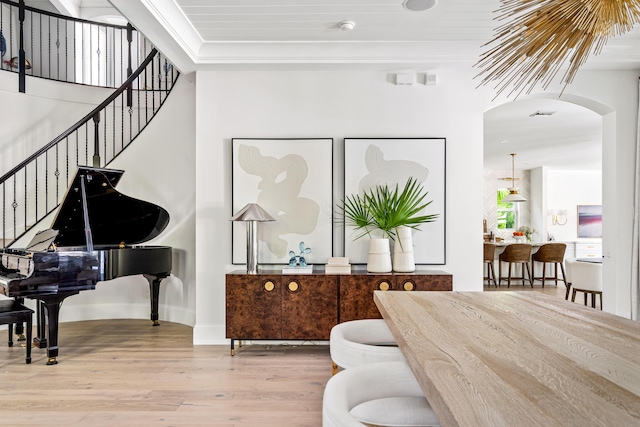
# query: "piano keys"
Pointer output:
{"type": "Point", "coordinates": [96, 236]}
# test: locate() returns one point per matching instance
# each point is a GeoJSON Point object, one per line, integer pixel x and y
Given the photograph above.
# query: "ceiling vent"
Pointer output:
{"type": "Point", "coordinates": [542, 113]}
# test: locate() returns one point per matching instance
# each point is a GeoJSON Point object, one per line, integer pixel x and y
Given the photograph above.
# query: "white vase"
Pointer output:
{"type": "Point", "coordinates": [403, 258]}
{"type": "Point", "coordinates": [379, 259]}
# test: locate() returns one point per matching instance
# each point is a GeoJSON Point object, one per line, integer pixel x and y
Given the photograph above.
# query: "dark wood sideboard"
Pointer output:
{"type": "Point", "coordinates": [273, 306]}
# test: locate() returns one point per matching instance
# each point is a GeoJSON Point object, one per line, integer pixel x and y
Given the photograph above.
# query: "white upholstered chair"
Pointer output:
{"type": "Point", "coordinates": [568, 265]}
{"type": "Point", "coordinates": [586, 277]}
{"type": "Point", "coordinates": [359, 342]}
{"type": "Point", "coordinates": [380, 394]}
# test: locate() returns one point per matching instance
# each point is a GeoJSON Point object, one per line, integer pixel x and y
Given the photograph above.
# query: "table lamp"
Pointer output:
{"type": "Point", "coordinates": [252, 214]}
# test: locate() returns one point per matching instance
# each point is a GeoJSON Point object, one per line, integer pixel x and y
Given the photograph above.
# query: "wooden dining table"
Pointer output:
{"type": "Point", "coordinates": [517, 359]}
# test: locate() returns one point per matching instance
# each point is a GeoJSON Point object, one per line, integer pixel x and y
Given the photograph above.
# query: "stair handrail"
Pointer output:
{"type": "Point", "coordinates": [83, 120]}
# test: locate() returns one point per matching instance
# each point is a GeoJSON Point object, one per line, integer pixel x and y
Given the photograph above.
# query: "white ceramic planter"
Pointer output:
{"type": "Point", "coordinates": [403, 258]}
{"type": "Point", "coordinates": [379, 259]}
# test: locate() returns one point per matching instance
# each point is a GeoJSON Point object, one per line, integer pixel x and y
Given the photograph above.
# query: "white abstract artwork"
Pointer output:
{"type": "Point", "coordinates": [379, 161]}
{"type": "Point", "coordinates": [291, 179]}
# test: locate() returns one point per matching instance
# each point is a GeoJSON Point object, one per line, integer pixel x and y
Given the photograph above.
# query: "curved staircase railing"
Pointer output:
{"type": "Point", "coordinates": [67, 49]}
{"type": "Point", "coordinates": [34, 188]}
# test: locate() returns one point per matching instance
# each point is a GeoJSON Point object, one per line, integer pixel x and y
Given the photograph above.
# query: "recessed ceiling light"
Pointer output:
{"type": "Point", "coordinates": [419, 5]}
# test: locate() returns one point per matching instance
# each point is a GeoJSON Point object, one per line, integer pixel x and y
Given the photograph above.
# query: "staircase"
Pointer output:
{"type": "Point", "coordinates": [34, 188]}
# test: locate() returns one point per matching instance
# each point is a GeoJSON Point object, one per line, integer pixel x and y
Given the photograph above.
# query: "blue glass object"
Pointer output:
{"type": "Point", "coordinates": [299, 260]}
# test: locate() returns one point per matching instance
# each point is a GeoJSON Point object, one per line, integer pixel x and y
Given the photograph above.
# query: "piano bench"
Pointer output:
{"type": "Point", "coordinates": [13, 312]}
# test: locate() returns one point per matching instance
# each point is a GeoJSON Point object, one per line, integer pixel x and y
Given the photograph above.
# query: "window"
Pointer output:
{"type": "Point", "coordinates": [507, 212]}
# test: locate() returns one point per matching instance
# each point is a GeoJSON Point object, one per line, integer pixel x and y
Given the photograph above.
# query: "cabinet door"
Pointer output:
{"type": "Point", "coordinates": [309, 306]}
{"type": "Point", "coordinates": [424, 282]}
{"type": "Point", "coordinates": [356, 295]}
{"type": "Point", "coordinates": [588, 250]}
{"type": "Point", "coordinates": [254, 306]}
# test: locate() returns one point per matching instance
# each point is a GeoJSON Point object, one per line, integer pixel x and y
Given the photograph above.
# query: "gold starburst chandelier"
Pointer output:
{"type": "Point", "coordinates": [542, 35]}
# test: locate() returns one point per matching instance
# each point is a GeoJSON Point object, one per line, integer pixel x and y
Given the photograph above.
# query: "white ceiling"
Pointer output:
{"type": "Point", "coordinates": [211, 34]}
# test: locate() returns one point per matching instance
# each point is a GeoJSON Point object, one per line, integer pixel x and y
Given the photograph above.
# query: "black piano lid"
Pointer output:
{"type": "Point", "coordinates": [114, 217]}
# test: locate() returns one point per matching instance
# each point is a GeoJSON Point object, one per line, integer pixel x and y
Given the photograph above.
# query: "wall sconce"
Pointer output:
{"type": "Point", "coordinates": [558, 216]}
{"type": "Point", "coordinates": [252, 214]}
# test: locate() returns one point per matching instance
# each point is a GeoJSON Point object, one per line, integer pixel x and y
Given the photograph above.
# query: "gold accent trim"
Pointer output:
{"type": "Point", "coordinates": [269, 286]}
{"type": "Point", "coordinates": [293, 286]}
{"type": "Point", "coordinates": [408, 286]}
{"type": "Point", "coordinates": [384, 286]}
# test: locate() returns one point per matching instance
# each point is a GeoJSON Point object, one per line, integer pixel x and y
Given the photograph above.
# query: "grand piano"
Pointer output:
{"type": "Point", "coordinates": [94, 237]}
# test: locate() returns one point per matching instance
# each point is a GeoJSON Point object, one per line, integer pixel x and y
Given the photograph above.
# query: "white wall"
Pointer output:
{"type": "Point", "coordinates": [567, 190]}
{"type": "Point", "coordinates": [32, 119]}
{"type": "Point", "coordinates": [330, 104]}
{"type": "Point", "coordinates": [158, 169]}
{"type": "Point", "coordinates": [615, 97]}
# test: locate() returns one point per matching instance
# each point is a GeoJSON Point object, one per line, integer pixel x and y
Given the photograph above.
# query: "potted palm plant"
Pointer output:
{"type": "Point", "coordinates": [392, 212]}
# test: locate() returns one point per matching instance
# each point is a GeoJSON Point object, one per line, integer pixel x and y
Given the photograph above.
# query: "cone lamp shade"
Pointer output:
{"type": "Point", "coordinates": [513, 196]}
{"type": "Point", "coordinates": [252, 214]}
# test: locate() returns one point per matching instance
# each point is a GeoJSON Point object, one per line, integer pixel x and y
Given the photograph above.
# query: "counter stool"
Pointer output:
{"type": "Point", "coordinates": [12, 312]}
{"type": "Point", "coordinates": [489, 256]}
{"type": "Point", "coordinates": [376, 394]}
{"type": "Point", "coordinates": [550, 253]}
{"type": "Point", "coordinates": [515, 253]}
{"type": "Point", "coordinates": [359, 342]}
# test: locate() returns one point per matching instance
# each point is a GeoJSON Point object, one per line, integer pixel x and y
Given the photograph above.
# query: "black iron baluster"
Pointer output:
{"type": "Point", "coordinates": [21, 59]}
{"type": "Point", "coordinates": [25, 198]}
{"type": "Point", "coordinates": [4, 214]}
{"type": "Point", "coordinates": [96, 142]}
{"type": "Point", "coordinates": [41, 49]}
{"type": "Point", "coordinates": [31, 42]}
{"type": "Point", "coordinates": [98, 52]}
{"type": "Point", "coordinates": [36, 185]}
{"type": "Point", "coordinates": [90, 54]}
{"type": "Point", "coordinates": [57, 49]}
{"type": "Point", "coordinates": [129, 69]}
{"type": "Point", "coordinates": [86, 143]}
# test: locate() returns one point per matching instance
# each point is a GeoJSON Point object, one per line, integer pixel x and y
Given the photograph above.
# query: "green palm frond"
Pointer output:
{"type": "Point", "coordinates": [385, 209]}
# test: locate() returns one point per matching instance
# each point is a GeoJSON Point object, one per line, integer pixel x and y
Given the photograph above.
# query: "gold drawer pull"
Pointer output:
{"type": "Point", "coordinates": [384, 286]}
{"type": "Point", "coordinates": [408, 286]}
{"type": "Point", "coordinates": [293, 286]}
{"type": "Point", "coordinates": [269, 286]}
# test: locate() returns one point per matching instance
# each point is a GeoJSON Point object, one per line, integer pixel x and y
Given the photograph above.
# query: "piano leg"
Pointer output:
{"type": "Point", "coordinates": [154, 292]}
{"type": "Point", "coordinates": [40, 341]}
{"type": "Point", "coordinates": [19, 328]}
{"type": "Point", "coordinates": [51, 303]}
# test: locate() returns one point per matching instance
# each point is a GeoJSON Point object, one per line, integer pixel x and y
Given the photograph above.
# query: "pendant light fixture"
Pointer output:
{"type": "Point", "coordinates": [538, 38]}
{"type": "Point", "coordinates": [513, 196]}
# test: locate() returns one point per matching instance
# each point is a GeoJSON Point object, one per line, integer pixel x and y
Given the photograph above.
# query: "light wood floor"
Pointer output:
{"type": "Point", "coordinates": [127, 372]}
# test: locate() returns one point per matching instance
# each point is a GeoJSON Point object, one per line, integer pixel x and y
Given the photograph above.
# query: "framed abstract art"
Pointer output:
{"type": "Point", "coordinates": [378, 161]}
{"type": "Point", "coordinates": [291, 179]}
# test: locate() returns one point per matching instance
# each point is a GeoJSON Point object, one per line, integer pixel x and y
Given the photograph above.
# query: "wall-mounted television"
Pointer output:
{"type": "Point", "coordinates": [590, 221]}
